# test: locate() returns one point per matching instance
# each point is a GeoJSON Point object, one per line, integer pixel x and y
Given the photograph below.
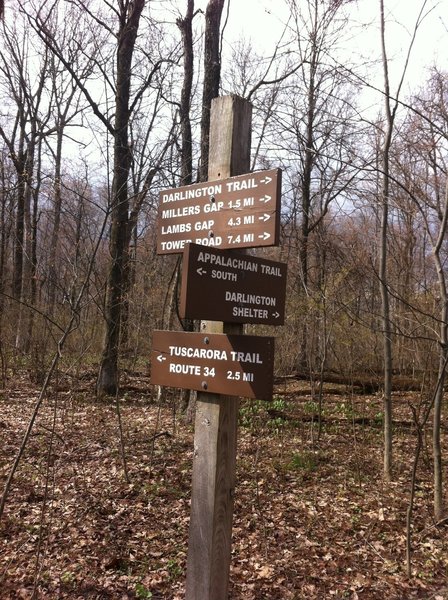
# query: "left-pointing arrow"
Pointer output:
{"type": "Point", "coordinates": [161, 358]}
{"type": "Point", "coordinates": [201, 271]}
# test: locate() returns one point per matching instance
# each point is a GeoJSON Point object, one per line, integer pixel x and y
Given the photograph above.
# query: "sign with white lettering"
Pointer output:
{"type": "Point", "coordinates": [238, 212]}
{"type": "Point", "coordinates": [221, 285]}
{"type": "Point", "coordinates": [234, 365]}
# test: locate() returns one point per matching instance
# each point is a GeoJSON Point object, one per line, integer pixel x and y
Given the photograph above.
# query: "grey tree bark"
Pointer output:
{"type": "Point", "coordinates": [391, 106]}
{"type": "Point", "coordinates": [383, 273]}
{"type": "Point", "coordinates": [127, 34]}
{"type": "Point", "coordinates": [212, 76]}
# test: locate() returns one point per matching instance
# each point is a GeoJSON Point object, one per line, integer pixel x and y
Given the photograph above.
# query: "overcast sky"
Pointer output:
{"type": "Point", "coordinates": [263, 21]}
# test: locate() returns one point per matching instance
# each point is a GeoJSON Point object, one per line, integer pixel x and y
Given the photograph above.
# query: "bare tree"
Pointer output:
{"type": "Point", "coordinates": [312, 132]}
{"type": "Point", "coordinates": [126, 98]}
{"type": "Point", "coordinates": [391, 106]}
{"type": "Point", "coordinates": [212, 76]}
{"type": "Point", "coordinates": [186, 152]}
{"type": "Point", "coordinates": [129, 18]}
{"type": "Point", "coordinates": [23, 138]}
{"type": "Point", "coordinates": [66, 107]}
{"type": "Point", "coordinates": [422, 168]}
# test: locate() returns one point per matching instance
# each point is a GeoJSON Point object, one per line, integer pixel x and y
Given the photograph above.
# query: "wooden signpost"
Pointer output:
{"type": "Point", "coordinates": [234, 209]}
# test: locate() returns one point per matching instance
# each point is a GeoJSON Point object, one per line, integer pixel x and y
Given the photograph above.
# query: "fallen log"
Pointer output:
{"type": "Point", "coordinates": [361, 384]}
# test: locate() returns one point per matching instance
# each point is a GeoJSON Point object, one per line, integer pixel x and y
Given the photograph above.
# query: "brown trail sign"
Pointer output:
{"type": "Point", "coordinates": [238, 212]}
{"type": "Point", "coordinates": [235, 365]}
{"type": "Point", "coordinates": [220, 285]}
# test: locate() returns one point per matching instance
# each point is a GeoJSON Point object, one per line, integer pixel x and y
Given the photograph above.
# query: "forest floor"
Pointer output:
{"type": "Point", "coordinates": [313, 517]}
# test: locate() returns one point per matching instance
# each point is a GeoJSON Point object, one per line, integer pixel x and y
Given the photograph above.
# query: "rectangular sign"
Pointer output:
{"type": "Point", "coordinates": [234, 365]}
{"type": "Point", "coordinates": [221, 285]}
{"type": "Point", "coordinates": [238, 212]}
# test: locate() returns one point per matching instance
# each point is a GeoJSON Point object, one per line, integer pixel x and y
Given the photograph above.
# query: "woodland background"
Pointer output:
{"type": "Point", "coordinates": [105, 104]}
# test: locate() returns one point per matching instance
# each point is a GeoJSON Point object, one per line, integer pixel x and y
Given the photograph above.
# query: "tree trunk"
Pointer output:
{"type": "Point", "coordinates": [108, 374]}
{"type": "Point", "coordinates": [185, 26]}
{"type": "Point", "coordinates": [19, 234]}
{"type": "Point", "coordinates": [443, 345]}
{"type": "Point", "coordinates": [25, 252]}
{"type": "Point", "coordinates": [212, 74]}
{"type": "Point", "coordinates": [186, 157]}
{"type": "Point", "coordinates": [34, 220]}
{"type": "Point", "coordinates": [437, 419]}
{"type": "Point", "coordinates": [57, 205]}
{"type": "Point", "coordinates": [384, 290]}
{"type": "Point", "coordinates": [305, 207]}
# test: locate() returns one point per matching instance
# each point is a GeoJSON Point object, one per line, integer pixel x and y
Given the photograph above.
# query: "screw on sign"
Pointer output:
{"type": "Point", "coordinates": [234, 365]}
{"type": "Point", "coordinates": [238, 212]}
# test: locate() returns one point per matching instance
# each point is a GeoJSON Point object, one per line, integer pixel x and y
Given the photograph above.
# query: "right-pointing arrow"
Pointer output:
{"type": "Point", "coordinates": [266, 198]}
{"type": "Point", "coordinates": [264, 236]}
{"type": "Point", "coordinates": [265, 217]}
{"type": "Point", "coordinates": [276, 315]}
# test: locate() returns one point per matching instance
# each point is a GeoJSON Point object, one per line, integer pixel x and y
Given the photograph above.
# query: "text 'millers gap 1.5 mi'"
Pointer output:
{"type": "Point", "coordinates": [238, 212]}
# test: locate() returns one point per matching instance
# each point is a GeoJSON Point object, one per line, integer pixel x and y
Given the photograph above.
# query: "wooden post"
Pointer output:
{"type": "Point", "coordinates": [213, 485]}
